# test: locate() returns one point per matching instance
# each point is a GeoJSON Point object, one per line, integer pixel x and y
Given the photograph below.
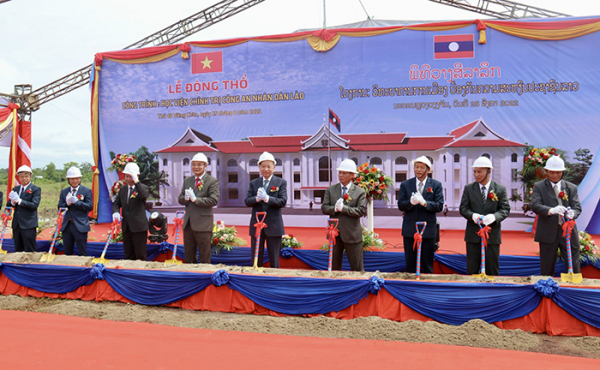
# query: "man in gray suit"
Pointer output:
{"type": "Point", "coordinates": [77, 199]}
{"type": "Point", "coordinates": [200, 193]}
{"type": "Point", "coordinates": [485, 201]}
{"type": "Point", "coordinates": [346, 202]}
{"type": "Point", "coordinates": [25, 199]}
{"type": "Point", "coordinates": [551, 199]}
{"type": "Point", "coordinates": [267, 193]}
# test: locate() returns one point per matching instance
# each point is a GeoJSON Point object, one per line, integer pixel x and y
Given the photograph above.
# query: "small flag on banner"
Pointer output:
{"type": "Point", "coordinates": [207, 62]}
{"type": "Point", "coordinates": [335, 120]}
{"type": "Point", "coordinates": [453, 46]}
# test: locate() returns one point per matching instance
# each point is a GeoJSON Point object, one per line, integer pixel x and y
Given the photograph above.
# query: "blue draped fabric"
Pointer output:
{"type": "Point", "coordinates": [457, 303]}
{"type": "Point", "coordinates": [584, 304]}
{"type": "Point", "coordinates": [153, 288]}
{"type": "Point", "coordinates": [299, 296]}
{"type": "Point", "coordinates": [48, 278]}
{"type": "Point", "coordinates": [373, 261]}
{"type": "Point", "coordinates": [451, 303]}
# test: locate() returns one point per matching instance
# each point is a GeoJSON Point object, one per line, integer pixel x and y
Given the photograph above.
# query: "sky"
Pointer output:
{"type": "Point", "coordinates": [43, 41]}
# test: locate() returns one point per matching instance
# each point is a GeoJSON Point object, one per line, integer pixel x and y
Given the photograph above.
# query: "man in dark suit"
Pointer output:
{"type": "Point", "coordinates": [25, 199]}
{"type": "Point", "coordinates": [347, 202]}
{"type": "Point", "coordinates": [200, 193]}
{"type": "Point", "coordinates": [485, 201]}
{"type": "Point", "coordinates": [78, 201]}
{"type": "Point", "coordinates": [268, 193]}
{"type": "Point", "coordinates": [551, 199]}
{"type": "Point", "coordinates": [420, 199]}
{"type": "Point", "coordinates": [131, 200]}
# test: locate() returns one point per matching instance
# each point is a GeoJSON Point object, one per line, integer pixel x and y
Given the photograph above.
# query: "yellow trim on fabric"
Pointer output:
{"type": "Point", "coordinates": [95, 146]}
{"type": "Point", "coordinates": [6, 122]}
{"type": "Point", "coordinates": [13, 152]}
{"type": "Point", "coordinates": [561, 34]}
{"type": "Point", "coordinates": [318, 44]}
{"type": "Point", "coordinates": [151, 59]}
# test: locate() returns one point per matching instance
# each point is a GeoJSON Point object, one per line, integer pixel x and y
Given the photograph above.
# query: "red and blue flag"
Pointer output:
{"type": "Point", "coordinates": [453, 46]}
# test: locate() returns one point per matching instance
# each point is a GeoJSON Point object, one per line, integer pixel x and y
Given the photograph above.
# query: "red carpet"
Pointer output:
{"type": "Point", "coordinates": [36, 340]}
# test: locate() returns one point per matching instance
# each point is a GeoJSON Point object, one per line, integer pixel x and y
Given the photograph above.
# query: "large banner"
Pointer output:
{"type": "Point", "coordinates": [458, 84]}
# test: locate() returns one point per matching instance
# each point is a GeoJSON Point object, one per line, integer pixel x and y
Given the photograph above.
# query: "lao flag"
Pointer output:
{"type": "Point", "coordinates": [207, 62]}
{"type": "Point", "coordinates": [335, 120]}
{"type": "Point", "coordinates": [453, 47]}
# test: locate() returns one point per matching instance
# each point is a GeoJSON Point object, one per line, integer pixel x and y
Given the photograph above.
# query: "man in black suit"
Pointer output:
{"type": "Point", "coordinates": [131, 200]}
{"type": "Point", "coordinates": [25, 199]}
{"type": "Point", "coordinates": [200, 193]}
{"type": "Point", "coordinates": [78, 201]}
{"type": "Point", "coordinates": [485, 201]}
{"type": "Point", "coordinates": [346, 202]}
{"type": "Point", "coordinates": [551, 199]}
{"type": "Point", "coordinates": [268, 193]}
{"type": "Point", "coordinates": [420, 199]}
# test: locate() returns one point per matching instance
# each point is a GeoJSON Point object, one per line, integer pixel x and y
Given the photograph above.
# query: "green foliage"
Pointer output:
{"type": "Point", "coordinates": [149, 173]}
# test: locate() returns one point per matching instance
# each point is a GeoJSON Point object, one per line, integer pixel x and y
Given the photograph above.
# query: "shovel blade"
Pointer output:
{"type": "Point", "coordinates": [99, 260]}
{"type": "Point", "coordinates": [483, 276]}
{"type": "Point", "coordinates": [174, 261]}
{"type": "Point", "coordinates": [44, 257]}
{"type": "Point", "coordinates": [2, 251]}
{"type": "Point", "coordinates": [571, 278]}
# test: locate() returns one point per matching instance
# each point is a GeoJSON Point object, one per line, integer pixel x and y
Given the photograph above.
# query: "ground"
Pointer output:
{"type": "Point", "coordinates": [475, 333]}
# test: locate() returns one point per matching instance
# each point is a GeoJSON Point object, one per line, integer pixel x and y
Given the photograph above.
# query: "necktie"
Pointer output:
{"type": "Point", "coordinates": [483, 197]}
{"type": "Point", "coordinates": [197, 182]}
{"type": "Point", "coordinates": [21, 191]}
{"type": "Point", "coordinates": [265, 184]}
{"type": "Point", "coordinates": [560, 203]}
{"type": "Point", "coordinates": [421, 187]}
{"type": "Point", "coordinates": [344, 190]}
{"type": "Point", "coordinates": [73, 191]}
{"type": "Point", "coordinates": [130, 192]}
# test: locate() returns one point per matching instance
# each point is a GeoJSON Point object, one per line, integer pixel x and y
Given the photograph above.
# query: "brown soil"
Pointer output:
{"type": "Point", "coordinates": [475, 333]}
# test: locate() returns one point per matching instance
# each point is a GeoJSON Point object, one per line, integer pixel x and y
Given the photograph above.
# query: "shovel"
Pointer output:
{"type": "Point", "coordinates": [178, 222]}
{"type": "Point", "coordinates": [332, 232]}
{"type": "Point", "coordinates": [259, 225]}
{"type": "Point", "coordinates": [111, 235]}
{"type": "Point", "coordinates": [570, 276]}
{"type": "Point", "coordinates": [419, 239]}
{"type": "Point", "coordinates": [6, 217]}
{"type": "Point", "coordinates": [49, 257]}
{"type": "Point", "coordinates": [484, 234]}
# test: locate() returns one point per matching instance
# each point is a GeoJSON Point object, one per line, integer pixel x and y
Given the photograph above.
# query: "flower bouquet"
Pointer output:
{"type": "Point", "coordinates": [289, 241]}
{"type": "Point", "coordinates": [120, 161]}
{"type": "Point", "coordinates": [224, 237]}
{"type": "Point", "coordinates": [114, 190]}
{"type": "Point", "coordinates": [588, 247]}
{"type": "Point", "coordinates": [371, 242]}
{"type": "Point", "coordinates": [374, 182]}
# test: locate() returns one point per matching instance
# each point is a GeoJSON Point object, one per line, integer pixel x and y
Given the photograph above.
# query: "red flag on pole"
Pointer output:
{"type": "Point", "coordinates": [335, 120]}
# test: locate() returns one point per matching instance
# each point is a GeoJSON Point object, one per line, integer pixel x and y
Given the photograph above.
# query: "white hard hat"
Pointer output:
{"type": "Point", "coordinates": [347, 165]}
{"type": "Point", "coordinates": [24, 168]}
{"type": "Point", "coordinates": [132, 169]}
{"type": "Point", "coordinates": [555, 163]}
{"type": "Point", "coordinates": [483, 162]}
{"type": "Point", "coordinates": [266, 156]}
{"type": "Point", "coordinates": [200, 157]}
{"type": "Point", "coordinates": [424, 160]}
{"type": "Point", "coordinates": [73, 173]}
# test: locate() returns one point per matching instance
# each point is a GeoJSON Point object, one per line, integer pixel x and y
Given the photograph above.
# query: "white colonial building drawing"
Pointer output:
{"type": "Point", "coordinates": [302, 160]}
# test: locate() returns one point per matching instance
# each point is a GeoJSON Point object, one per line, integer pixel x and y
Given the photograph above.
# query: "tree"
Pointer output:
{"type": "Point", "coordinates": [50, 173]}
{"type": "Point", "coordinates": [583, 155]}
{"type": "Point", "coordinates": [86, 171]}
{"type": "Point", "coordinates": [149, 173]}
{"type": "Point", "coordinates": [515, 197]}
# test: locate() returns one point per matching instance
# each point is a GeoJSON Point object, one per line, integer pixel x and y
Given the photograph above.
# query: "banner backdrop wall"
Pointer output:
{"type": "Point", "coordinates": [456, 84]}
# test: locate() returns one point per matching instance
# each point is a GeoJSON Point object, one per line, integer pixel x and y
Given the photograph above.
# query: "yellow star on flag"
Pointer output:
{"type": "Point", "coordinates": [206, 63]}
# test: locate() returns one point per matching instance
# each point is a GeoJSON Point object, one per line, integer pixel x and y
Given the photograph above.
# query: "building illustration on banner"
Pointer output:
{"type": "Point", "coordinates": [302, 161]}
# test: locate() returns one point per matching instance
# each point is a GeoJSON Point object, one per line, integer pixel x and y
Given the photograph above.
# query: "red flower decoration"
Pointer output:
{"type": "Point", "coordinates": [274, 189]}
{"type": "Point", "coordinates": [366, 172]}
{"type": "Point", "coordinates": [28, 191]}
{"type": "Point", "coordinates": [429, 190]}
{"type": "Point", "coordinates": [381, 179]}
{"type": "Point", "coordinates": [346, 196]}
{"type": "Point", "coordinates": [490, 195]}
{"type": "Point", "coordinates": [80, 197]}
{"type": "Point", "coordinates": [216, 241]}
{"type": "Point", "coordinates": [291, 236]}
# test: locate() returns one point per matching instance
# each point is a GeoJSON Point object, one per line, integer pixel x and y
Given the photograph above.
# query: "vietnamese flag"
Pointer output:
{"type": "Point", "coordinates": [453, 46]}
{"type": "Point", "coordinates": [207, 62]}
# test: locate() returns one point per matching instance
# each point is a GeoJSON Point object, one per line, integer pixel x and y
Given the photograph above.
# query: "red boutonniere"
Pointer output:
{"type": "Point", "coordinates": [28, 191]}
{"type": "Point", "coordinates": [562, 195]}
{"type": "Point", "coordinates": [200, 186]}
{"type": "Point", "coordinates": [80, 197]}
{"type": "Point", "coordinates": [134, 194]}
{"type": "Point", "coordinates": [274, 189]}
{"type": "Point", "coordinates": [429, 190]}
{"type": "Point", "coordinates": [346, 198]}
{"type": "Point", "coordinates": [492, 196]}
